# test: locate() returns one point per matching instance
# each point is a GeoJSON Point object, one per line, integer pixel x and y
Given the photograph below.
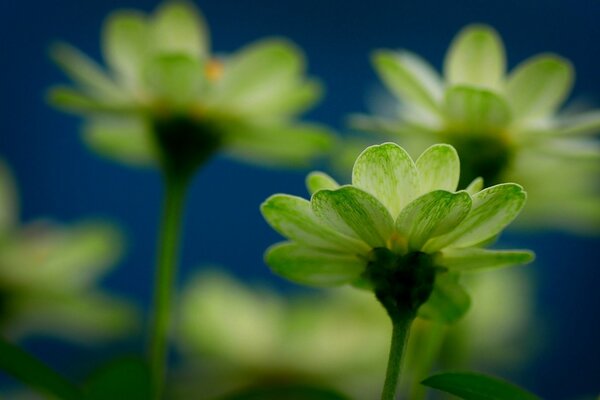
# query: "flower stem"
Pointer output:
{"type": "Point", "coordinates": [175, 190]}
{"type": "Point", "coordinates": [400, 330]}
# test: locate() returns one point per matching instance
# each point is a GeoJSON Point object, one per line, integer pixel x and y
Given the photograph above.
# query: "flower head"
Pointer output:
{"type": "Point", "coordinates": [164, 91]}
{"type": "Point", "coordinates": [504, 126]}
{"type": "Point", "coordinates": [400, 229]}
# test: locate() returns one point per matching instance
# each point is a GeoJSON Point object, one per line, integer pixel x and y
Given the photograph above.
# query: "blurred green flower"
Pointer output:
{"type": "Point", "coordinates": [164, 87]}
{"type": "Point", "coordinates": [47, 276]}
{"type": "Point", "coordinates": [505, 127]}
{"type": "Point", "coordinates": [400, 229]}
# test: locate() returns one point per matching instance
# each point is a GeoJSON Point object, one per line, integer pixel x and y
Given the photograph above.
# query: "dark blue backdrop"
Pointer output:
{"type": "Point", "coordinates": [59, 178]}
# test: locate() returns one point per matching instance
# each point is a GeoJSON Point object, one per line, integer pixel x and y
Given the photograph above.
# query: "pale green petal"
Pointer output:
{"type": "Point", "coordinates": [473, 259]}
{"type": "Point", "coordinates": [475, 111]}
{"type": "Point", "coordinates": [587, 123]}
{"type": "Point", "coordinates": [310, 266]}
{"type": "Point", "coordinates": [431, 215]}
{"type": "Point", "coordinates": [317, 180]}
{"type": "Point", "coordinates": [175, 79]}
{"type": "Point", "coordinates": [476, 57]}
{"type": "Point", "coordinates": [539, 85]}
{"type": "Point", "coordinates": [448, 301]}
{"type": "Point", "coordinates": [439, 168]}
{"type": "Point", "coordinates": [293, 218]}
{"type": "Point", "coordinates": [475, 186]}
{"type": "Point", "coordinates": [179, 27]}
{"type": "Point", "coordinates": [493, 209]}
{"type": "Point", "coordinates": [409, 77]}
{"type": "Point", "coordinates": [126, 44]}
{"type": "Point", "coordinates": [72, 100]}
{"type": "Point", "coordinates": [86, 73]}
{"type": "Point", "coordinates": [278, 145]}
{"type": "Point", "coordinates": [9, 208]}
{"type": "Point", "coordinates": [388, 173]}
{"type": "Point", "coordinates": [354, 212]}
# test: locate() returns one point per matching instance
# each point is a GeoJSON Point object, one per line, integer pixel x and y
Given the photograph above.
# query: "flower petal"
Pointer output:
{"type": "Point", "coordinates": [430, 215]}
{"type": "Point", "coordinates": [8, 200]}
{"type": "Point", "coordinates": [475, 186]}
{"type": "Point", "coordinates": [317, 180]}
{"type": "Point", "coordinates": [472, 259]}
{"type": "Point", "coordinates": [471, 110]}
{"type": "Point", "coordinates": [587, 123]}
{"type": "Point", "coordinates": [493, 209]}
{"type": "Point", "coordinates": [76, 101]}
{"type": "Point", "coordinates": [179, 27]}
{"type": "Point", "coordinates": [448, 301]}
{"type": "Point", "coordinates": [476, 57]}
{"type": "Point", "coordinates": [409, 77]}
{"type": "Point", "coordinates": [439, 168]}
{"type": "Point", "coordinates": [311, 266]}
{"type": "Point", "coordinates": [539, 85]}
{"type": "Point", "coordinates": [292, 217]}
{"type": "Point", "coordinates": [355, 213]}
{"type": "Point", "coordinates": [174, 78]}
{"type": "Point", "coordinates": [388, 173]}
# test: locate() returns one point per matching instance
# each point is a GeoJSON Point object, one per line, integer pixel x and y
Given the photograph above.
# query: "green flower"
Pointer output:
{"type": "Point", "coordinates": [506, 127]}
{"type": "Point", "coordinates": [400, 229]}
{"type": "Point", "coordinates": [48, 273]}
{"type": "Point", "coordinates": [164, 92]}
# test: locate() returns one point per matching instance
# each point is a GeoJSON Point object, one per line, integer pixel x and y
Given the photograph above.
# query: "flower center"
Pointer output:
{"type": "Point", "coordinates": [213, 70]}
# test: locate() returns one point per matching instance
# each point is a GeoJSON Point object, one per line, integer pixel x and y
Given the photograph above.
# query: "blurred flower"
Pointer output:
{"type": "Point", "coordinates": [506, 128]}
{"type": "Point", "coordinates": [399, 229]}
{"type": "Point", "coordinates": [164, 91]}
{"type": "Point", "coordinates": [47, 276]}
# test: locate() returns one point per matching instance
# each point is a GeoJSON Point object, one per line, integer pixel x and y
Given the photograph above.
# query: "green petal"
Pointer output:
{"type": "Point", "coordinates": [439, 168]}
{"type": "Point", "coordinates": [355, 213]}
{"type": "Point", "coordinates": [317, 180]}
{"type": "Point", "coordinates": [388, 173]}
{"type": "Point", "coordinates": [179, 27]}
{"type": "Point", "coordinates": [471, 259]}
{"type": "Point", "coordinates": [176, 79]}
{"type": "Point", "coordinates": [587, 123]}
{"type": "Point", "coordinates": [278, 145]}
{"type": "Point", "coordinates": [293, 218]}
{"type": "Point", "coordinates": [448, 301]}
{"type": "Point", "coordinates": [126, 44]}
{"type": "Point", "coordinates": [430, 215]}
{"type": "Point", "coordinates": [86, 73]}
{"type": "Point", "coordinates": [310, 266]}
{"type": "Point", "coordinates": [72, 100]}
{"type": "Point", "coordinates": [539, 85]}
{"type": "Point", "coordinates": [475, 186]}
{"type": "Point", "coordinates": [409, 77]}
{"type": "Point", "coordinates": [264, 77]}
{"type": "Point", "coordinates": [493, 209]}
{"type": "Point", "coordinates": [470, 110]}
{"type": "Point", "coordinates": [476, 57]}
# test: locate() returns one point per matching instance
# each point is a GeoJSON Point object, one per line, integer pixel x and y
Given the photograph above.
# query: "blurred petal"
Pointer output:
{"type": "Point", "coordinates": [388, 173]}
{"type": "Point", "coordinates": [539, 85]}
{"type": "Point", "coordinates": [475, 186]}
{"type": "Point", "coordinates": [448, 301]}
{"type": "Point", "coordinates": [471, 110]}
{"type": "Point", "coordinates": [176, 79]}
{"type": "Point", "coordinates": [439, 168]}
{"type": "Point", "coordinates": [316, 181]}
{"type": "Point", "coordinates": [587, 123]}
{"type": "Point", "coordinates": [9, 209]}
{"type": "Point", "coordinates": [476, 57]}
{"type": "Point", "coordinates": [311, 266]}
{"type": "Point", "coordinates": [75, 101]}
{"type": "Point", "coordinates": [178, 27]}
{"type": "Point", "coordinates": [473, 259]}
{"type": "Point", "coordinates": [354, 213]}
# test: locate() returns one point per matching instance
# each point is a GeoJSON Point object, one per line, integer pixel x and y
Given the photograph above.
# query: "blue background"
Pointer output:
{"type": "Point", "coordinates": [58, 177]}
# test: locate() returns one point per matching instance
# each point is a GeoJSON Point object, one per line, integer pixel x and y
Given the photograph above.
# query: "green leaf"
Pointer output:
{"type": "Point", "coordinates": [34, 373]}
{"type": "Point", "coordinates": [439, 168]}
{"type": "Point", "coordinates": [311, 266]}
{"type": "Point", "coordinates": [317, 180]}
{"type": "Point", "coordinates": [472, 259]}
{"type": "Point", "coordinates": [432, 214]}
{"type": "Point", "coordinates": [174, 78]}
{"type": "Point", "coordinates": [475, 111]}
{"type": "Point", "coordinates": [122, 379]}
{"type": "Point", "coordinates": [475, 386]}
{"type": "Point", "coordinates": [476, 57]}
{"type": "Point", "coordinates": [448, 302]}
{"type": "Point", "coordinates": [388, 173]}
{"type": "Point", "coordinates": [293, 217]}
{"type": "Point", "coordinates": [409, 77]}
{"type": "Point", "coordinates": [539, 85]}
{"type": "Point", "coordinates": [286, 391]}
{"type": "Point", "coordinates": [493, 209]}
{"type": "Point", "coordinates": [354, 213]}
{"type": "Point", "coordinates": [125, 44]}
{"type": "Point", "coordinates": [179, 27]}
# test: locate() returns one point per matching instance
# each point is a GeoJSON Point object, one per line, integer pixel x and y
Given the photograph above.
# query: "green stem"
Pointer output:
{"type": "Point", "coordinates": [175, 190]}
{"type": "Point", "coordinates": [400, 330]}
